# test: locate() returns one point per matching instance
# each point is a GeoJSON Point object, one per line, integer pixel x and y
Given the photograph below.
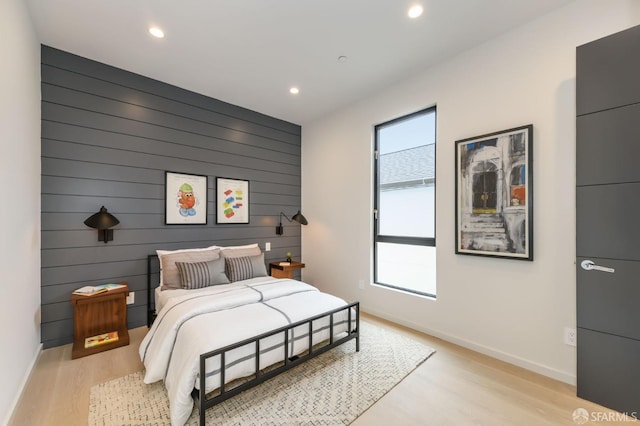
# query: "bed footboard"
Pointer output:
{"type": "Point", "coordinates": [289, 362]}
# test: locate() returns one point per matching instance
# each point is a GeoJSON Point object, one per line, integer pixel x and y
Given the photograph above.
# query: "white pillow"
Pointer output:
{"type": "Point", "coordinates": [240, 251]}
{"type": "Point", "coordinates": [238, 247]}
{"type": "Point", "coordinates": [163, 252]}
{"type": "Point", "coordinates": [169, 274]}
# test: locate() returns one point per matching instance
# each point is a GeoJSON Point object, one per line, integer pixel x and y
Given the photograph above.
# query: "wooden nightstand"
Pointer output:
{"type": "Point", "coordinates": [101, 313]}
{"type": "Point", "coordinates": [279, 271]}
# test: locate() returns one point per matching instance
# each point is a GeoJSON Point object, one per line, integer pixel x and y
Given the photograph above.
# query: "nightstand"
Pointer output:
{"type": "Point", "coordinates": [99, 314]}
{"type": "Point", "coordinates": [281, 271]}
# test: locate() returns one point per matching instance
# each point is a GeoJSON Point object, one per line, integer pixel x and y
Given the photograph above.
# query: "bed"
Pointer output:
{"type": "Point", "coordinates": [211, 342]}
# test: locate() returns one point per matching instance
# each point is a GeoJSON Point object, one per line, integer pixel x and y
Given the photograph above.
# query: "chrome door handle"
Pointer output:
{"type": "Point", "coordinates": [588, 265]}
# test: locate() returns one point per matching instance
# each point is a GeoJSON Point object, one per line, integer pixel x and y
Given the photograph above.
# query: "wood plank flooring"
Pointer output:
{"type": "Point", "coordinates": [455, 386]}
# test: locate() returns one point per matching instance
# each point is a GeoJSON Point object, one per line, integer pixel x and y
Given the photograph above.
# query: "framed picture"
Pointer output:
{"type": "Point", "coordinates": [494, 194]}
{"type": "Point", "coordinates": [232, 200]}
{"type": "Point", "coordinates": [185, 199]}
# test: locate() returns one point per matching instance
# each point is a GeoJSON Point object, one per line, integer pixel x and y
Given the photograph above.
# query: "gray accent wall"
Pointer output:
{"type": "Point", "coordinates": [108, 136]}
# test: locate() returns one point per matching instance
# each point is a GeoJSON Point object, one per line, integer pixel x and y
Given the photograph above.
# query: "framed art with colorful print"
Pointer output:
{"type": "Point", "coordinates": [232, 200]}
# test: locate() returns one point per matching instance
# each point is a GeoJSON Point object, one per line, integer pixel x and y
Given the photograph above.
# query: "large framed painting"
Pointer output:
{"type": "Point", "coordinates": [185, 199]}
{"type": "Point", "coordinates": [232, 200]}
{"type": "Point", "coordinates": [494, 194]}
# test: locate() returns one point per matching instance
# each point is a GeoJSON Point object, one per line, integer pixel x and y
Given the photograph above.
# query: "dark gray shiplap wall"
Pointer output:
{"type": "Point", "coordinates": [108, 136]}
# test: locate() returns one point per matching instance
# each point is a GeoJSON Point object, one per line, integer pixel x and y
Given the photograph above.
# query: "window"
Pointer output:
{"type": "Point", "coordinates": [405, 187]}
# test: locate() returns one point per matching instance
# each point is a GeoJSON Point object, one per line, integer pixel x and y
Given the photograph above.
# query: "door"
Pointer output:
{"type": "Point", "coordinates": [485, 188]}
{"type": "Point", "coordinates": [608, 221]}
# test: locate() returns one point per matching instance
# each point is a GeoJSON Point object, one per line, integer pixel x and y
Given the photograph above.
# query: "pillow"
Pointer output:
{"type": "Point", "coordinates": [170, 277]}
{"type": "Point", "coordinates": [245, 267]}
{"type": "Point", "coordinates": [202, 274]}
{"type": "Point", "coordinates": [239, 247]}
{"type": "Point", "coordinates": [163, 252]}
{"type": "Point", "coordinates": [240, 251]}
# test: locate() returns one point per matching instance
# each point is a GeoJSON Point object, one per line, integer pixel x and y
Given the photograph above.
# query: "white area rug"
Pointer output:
{"type": "Point", "coordinates": [332, 389]}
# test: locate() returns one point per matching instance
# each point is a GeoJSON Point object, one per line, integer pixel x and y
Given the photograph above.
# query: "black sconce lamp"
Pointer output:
{"type": "Point", "coordinates": [298, 217]}
{"type": "Point", "coordinates": [102, 221]}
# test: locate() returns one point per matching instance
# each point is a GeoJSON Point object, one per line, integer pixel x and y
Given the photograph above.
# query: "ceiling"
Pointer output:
{"type": "Point", "coordinates": [250, 52]}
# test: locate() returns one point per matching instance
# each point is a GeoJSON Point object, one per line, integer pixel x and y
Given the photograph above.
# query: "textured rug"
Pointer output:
{"type": "Point", "coordinates": [332, 389]}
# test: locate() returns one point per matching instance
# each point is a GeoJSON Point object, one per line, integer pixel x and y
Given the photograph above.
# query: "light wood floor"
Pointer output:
{"type": "Point", "coordinates": [455, 386]}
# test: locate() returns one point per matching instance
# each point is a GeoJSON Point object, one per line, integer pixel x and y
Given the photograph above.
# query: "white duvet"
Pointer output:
{"type": "Point", "coordinates": [197, 321]}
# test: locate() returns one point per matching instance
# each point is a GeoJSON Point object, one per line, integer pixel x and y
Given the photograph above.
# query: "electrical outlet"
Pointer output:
{"type": "Point", "coordinates": [570, 336]}
{"type": "Point", "coordinates": [131, 298]}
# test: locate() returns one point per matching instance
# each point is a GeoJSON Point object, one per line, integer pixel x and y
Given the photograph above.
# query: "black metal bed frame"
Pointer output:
{"type": "Point", "coordinates": [204, 403]}
{"type": "Point", "coordinates": [151, 312]}
{"type": "Point", "coordinates": [199, 395]}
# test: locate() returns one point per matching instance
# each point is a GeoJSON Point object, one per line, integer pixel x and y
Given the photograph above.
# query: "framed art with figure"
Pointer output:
{"type": "Point", "coordinates": [494, 194]}
{"type": "Point", "coordinates": [185, 199]}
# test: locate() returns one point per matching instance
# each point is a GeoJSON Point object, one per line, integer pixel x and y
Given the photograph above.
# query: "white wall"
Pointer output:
{"type": "Point", "coordinates": [513, 310]}
{"type": "Point", "coordinates": [20, 212]}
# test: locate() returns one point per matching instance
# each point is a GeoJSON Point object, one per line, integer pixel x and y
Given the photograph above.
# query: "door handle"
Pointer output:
{"type": "Point", "coordinates": [588, 265]}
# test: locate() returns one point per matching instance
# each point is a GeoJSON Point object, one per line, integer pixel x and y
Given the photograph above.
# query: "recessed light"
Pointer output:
{"type": "Point", "coordinates": [294, 90]}
{"type": "Point", "coordinates": [156, 32]}
{"type": "Point", "coordinates": [415, 11]}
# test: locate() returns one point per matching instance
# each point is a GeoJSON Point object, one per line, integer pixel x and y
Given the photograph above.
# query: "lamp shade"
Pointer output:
{"type": "Point", "coordinates": [101, 220]}
{"type": "Point", "coordinates": [299, 217]}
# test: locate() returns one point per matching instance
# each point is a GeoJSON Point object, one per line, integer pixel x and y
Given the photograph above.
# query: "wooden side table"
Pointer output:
{"type": "Point", "coordinates": [101, 313]}
{"type": "Point", "coordinates": [281, 271]}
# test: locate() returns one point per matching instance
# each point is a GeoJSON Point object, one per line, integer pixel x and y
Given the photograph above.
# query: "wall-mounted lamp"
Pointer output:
{"type": "Point", "coordinates": [102, 221]}
{"type": "Point", "coordinates": [298, 217]}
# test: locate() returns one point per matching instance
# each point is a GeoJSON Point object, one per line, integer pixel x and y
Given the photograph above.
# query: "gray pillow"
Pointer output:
{"type": "Point", "coordinates": [202, 274]}
{"type": "Point", "coordinates": [245, 267]}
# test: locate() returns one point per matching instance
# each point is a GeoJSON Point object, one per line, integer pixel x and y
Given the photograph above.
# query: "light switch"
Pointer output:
{"type": "Point", "coordinates": [267, 247]}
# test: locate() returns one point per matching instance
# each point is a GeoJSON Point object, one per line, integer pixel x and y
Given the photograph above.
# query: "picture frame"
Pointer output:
{"type": "Point", "coordinates": [232, 201]}
{"type": "Point", "coordinates": [494, 194]}
{"type": "Point", "coordinates": [185, 199]}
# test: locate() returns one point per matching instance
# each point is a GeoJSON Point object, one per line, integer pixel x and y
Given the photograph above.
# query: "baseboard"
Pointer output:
{"type": "Point", "coordinates": [545, 370]}
{"type": "Point", "coordinates": [23, 385]}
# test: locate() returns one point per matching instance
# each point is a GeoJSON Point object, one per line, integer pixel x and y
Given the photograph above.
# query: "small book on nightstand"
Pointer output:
{"type": "Point", "coordinates": [110, 286]}
{"type": "Point", "coordinates": [285, 264]}
{"type": "Point", "coordinates": [89, 290]}
{"type": "Point", "coordinates": [100, 339]}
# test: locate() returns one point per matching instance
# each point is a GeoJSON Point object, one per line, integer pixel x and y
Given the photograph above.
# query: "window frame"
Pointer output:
{"type": "Point", "coordinates": [397, 239]}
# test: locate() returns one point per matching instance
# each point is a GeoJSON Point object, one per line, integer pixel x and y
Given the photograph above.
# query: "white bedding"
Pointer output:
{"type": "Point", "coordinates": [163, 295]}
{"type": "Point", "coordinates": [193, 322]}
